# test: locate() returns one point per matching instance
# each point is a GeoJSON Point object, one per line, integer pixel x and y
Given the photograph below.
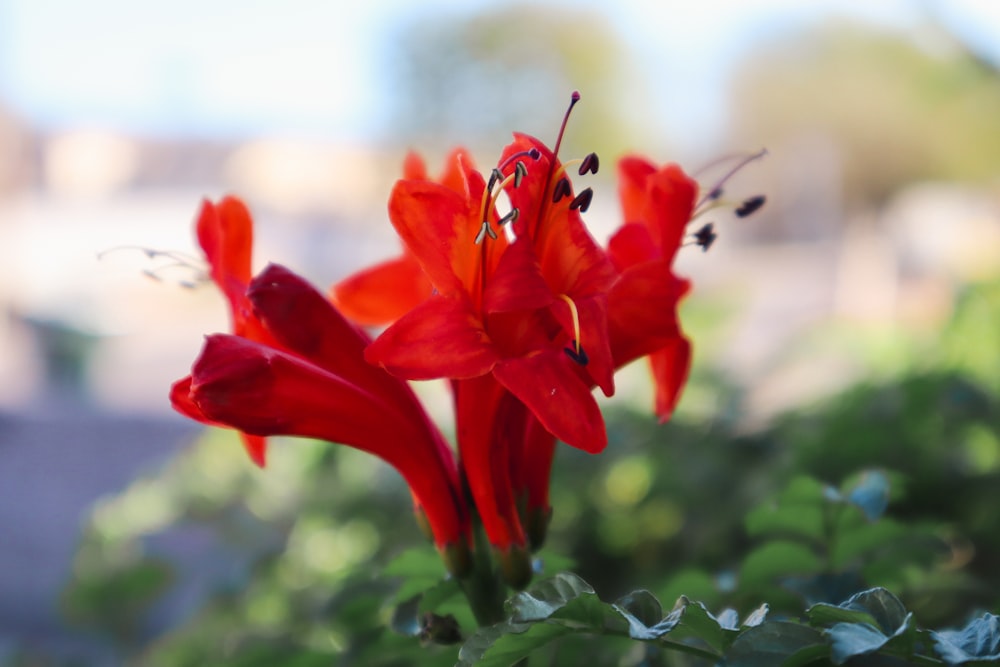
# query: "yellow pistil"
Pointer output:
{"type": "Point", "coordinates": [576, 322]}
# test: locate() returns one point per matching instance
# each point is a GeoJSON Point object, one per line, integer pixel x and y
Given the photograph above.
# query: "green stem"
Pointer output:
{"type": "Point", "coordinates": [483, 588]}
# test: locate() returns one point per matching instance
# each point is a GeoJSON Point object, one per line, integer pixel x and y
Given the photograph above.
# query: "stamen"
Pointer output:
{"type": "Point", "coordinates": [489, 198]}
{"type": "Point", "coordinates": [705, 236]}
{"type": "Point", "coordinates": [485, 231]}
{"type": "Point", "coordinates": [562, 189]}
{"type": "Point", "coordinates": [179, 260]}
{"type": "Point", "coordinates": [589, 163]}
{"type": "Point", "coordinates": [510, 217]}
{"type": "Point", "coordinates": [576, 352]}
{"type": "Point", "coordinates": [750, 206]}
{"type": "Point", "coordinates": [582, 200]}
{"type": "Point", "coordinates": [716, 191]}
{"type": "Point", "coordinates": [520, 171]}
{"type": "Point", "coordinates": [533, 153]}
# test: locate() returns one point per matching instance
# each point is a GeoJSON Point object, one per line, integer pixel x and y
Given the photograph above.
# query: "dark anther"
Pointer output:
{"type": "Point", "coordinates": [561, 190]}
{"type": "Point", "coordinates": [495, 177]}
{"type": "Point", "coordinates": [520, 171]}
{"type": "Point", "coordinates": [705, 236]}
{"type": "Point", "coordinates": [510, 217]}
{"type": "Point", "coordinates": [534, 153]}
{"type": "Point", "coordinates": [577, 354]}
{"type": "Point", "coordinates": [590, 163]}
{"type": "Point", "coordinates": [714, 194]}
{"type": "Point", "coordinates": [436, 629]}
{"type": "Point", "coordinates": [750, 206]}
{"type": "Point", "coordinates": [582, 200]}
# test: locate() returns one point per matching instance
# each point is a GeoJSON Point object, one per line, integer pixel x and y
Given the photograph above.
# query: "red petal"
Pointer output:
{"type": "Point", "coordinates": [642, 311]}
{"type": "Point", "coordinates": [550, 387]}
{"type": "Point", "coordinates": [303, 321]}
{"type": "Point", "coordinates": [263, 391]}
{"type": "Point", "coordinates": [441, 338]}
{"type": "Point", "coordinates": [383, 293]}
{"type": "Point", "coordinates": [664, 201]}
{"type": "Point", "coordinates": [180, 398]}
{"type": "Point", "coordinates": [483, 422]}
{"type": "Point", "coordinates": [670, 366]}
{"type": "Point", "coordinates": [592, 313]}
{"type": "Point", "coordinates": [633, 173]}
{"type": "Point", "coordinates": [517, 282]}
{"type": "Point", "coordinates": [256, 447]}
{"type": "Point", "coordinates": [439, 227]}
{"type": "Point", "coordinates": [632, 244]}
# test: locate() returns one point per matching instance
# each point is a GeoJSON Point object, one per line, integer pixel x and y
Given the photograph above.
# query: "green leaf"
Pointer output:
{"type": "Point", "coordinates": [978, 641]}
{"type": "Point", "coordinates": [853, 543]}
{"type": "Point", "coordinates": [643, 606]}
{"type": "Point", "coordinates": [850, 639]}
{"type": "Point", "coordinates": [884, 607]}
{"type": "Point", "coordinates": [806, 490]}
{"type": "Point", "coordinates": [828, 615]}
{"type": "Point", "coordinates": [800, 521]}
{"type": "Point", "coordinates": [504, 644]}
{"type": "Point", "coordinates": [776, 643]}
{"type": "Point", "coordinates": [778, 559]}
{"type": "Point", "coordinates": [696, 622]}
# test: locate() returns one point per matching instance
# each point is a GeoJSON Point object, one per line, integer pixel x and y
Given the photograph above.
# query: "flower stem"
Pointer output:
{"type": "Point", "coordinates": [483, 588]}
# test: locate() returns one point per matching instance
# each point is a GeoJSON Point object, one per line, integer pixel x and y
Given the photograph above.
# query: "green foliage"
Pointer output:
{"type": "Point", "coordinates": [870, 628]}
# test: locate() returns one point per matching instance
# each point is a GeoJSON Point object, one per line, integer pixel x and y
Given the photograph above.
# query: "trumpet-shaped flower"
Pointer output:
{"type": "Point", "coordinates": [315, 383]}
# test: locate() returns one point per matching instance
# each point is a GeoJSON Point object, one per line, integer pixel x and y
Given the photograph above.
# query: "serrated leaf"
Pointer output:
{"type": "Point", "coordinates": [546, 597]}
{"type": "Point", "coordinates": [888, 612]}
{"type": "Point", "coordinates": [777, 559]}
{"type": "Point", "coordinates": [728, 618]}
{"type": "Point", "coordinates": [776, 643]}
{"type": "Point", "coordinates": [850, 639]}
{"type": "Point", "coordinates": [696, 622]}
{"type": "Point", "coordinates": [757, 616]}
{"type": "Point", "coordinates": [643, 606]}
{"type": "Point", "coordinates": [566, 600]}
{"type": "Point", "coordinates": [871, 493]}
{"type": "Point", "coordinates": [978, 641]}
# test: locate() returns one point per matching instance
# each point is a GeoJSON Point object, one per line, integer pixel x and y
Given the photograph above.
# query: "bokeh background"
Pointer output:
{"type": "Point", "coordinates": [853, 323]}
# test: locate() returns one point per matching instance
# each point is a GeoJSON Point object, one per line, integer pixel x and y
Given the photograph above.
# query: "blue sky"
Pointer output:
{"type": "Point", "coordinates": [217, 67]}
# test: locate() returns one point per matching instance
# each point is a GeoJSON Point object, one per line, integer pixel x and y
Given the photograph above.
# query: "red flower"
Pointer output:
{"type": "Point", "coordinates": [510, 306]}
{"type": "Point", "coordinates": [225, 233]}
{"type": "Point", "coordinates": [315, 383]}
{"type": "Point", "coordinates": [642, 314]}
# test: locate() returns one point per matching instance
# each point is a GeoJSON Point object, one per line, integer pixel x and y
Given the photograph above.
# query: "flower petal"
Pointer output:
{"type": "Point", "coordinates": [381, 294]}
{"type": "Point", "coordinates": [551, 388]}
{"type": "Point", "coordinates": [670, 366]}
{"type": "Point", "coordinates": [642, 310]}
{"type": "Point", "coordinates": [441, 338]}
{"type": "Point", "coordinates": [263, 391]}
{"type": "Point", "coordinates": [439, 227]}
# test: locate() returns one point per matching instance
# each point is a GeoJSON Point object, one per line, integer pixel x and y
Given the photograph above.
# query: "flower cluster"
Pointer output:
{"type": "Point", "coordinates": [516, 305]}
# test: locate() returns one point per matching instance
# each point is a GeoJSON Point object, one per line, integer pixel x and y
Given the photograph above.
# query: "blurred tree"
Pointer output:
{"type": "Point", "coordinates": [472, 79]}
{"type": "Point", "coordinates": [894, 109]}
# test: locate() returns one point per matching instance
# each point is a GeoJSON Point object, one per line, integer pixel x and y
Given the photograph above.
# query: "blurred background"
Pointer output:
{"type": "Point", "coordinates": [864, 297]}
